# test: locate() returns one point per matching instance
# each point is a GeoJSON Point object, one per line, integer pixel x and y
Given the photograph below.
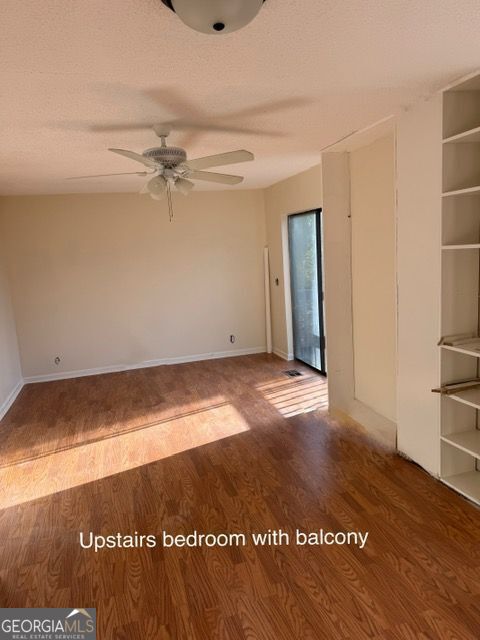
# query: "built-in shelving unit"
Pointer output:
{"type": "Point", "coordinates": [460, 360]}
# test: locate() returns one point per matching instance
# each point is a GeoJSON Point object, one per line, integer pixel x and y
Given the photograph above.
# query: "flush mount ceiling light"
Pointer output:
{"type": "Point", "coordinates": [215, 16]}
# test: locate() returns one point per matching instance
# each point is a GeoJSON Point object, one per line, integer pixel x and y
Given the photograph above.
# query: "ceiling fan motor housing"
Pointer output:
{"type": "Point", "coordinates": [167, 156]}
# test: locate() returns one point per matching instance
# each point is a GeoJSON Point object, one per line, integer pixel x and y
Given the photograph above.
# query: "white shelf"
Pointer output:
{"type": "Point", "coordinates": [446, 247]}
{"type": "Point", "coordinates": [471, 397]}
{"type": "Point", "coordinates": [461, 192]}
{"type": "Point", "coordinates": [470, 349]}
{"type": "Point", "coordinates": [468, 441]}
{"type": "Point", "coordinates": [460, 219]}
{"type": "Point", "coordinates": [472, 135]}
{"type": "Point", "coordinates": [468, 484]}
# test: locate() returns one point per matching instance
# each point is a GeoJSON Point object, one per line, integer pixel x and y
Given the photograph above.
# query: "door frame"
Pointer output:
{"type": "Point", "coordinates": [320, 284]}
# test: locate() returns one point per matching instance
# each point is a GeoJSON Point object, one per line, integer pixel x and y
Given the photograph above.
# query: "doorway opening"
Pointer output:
{"type": "Point", "coordinates": [306, 285]}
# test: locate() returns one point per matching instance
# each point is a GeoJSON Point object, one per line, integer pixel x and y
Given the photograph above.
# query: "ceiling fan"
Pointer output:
{"type": "Point", "coordinates": [169, 168]}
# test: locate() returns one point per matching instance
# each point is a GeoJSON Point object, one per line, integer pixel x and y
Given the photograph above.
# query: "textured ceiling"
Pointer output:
{"type": "Point", "coordinates": [301, 76]}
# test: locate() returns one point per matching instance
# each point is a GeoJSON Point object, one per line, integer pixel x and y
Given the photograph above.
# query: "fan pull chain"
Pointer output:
{"type": "Point", "coordinates": [170, 203]}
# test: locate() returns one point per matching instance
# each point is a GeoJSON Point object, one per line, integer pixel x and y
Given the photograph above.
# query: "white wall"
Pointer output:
{"type": "Point", "coordinates": [328, 186]}
{"type": "Point", "coordinates": [372, 194]}
{"type": "Point", "coordinates": [341, 307]}
{"type": "Point", "coordinates": [10, 373]}
{"type": "Point", "coordinates": [301, 192]}
{"type": "Point", "coordinates": [338, 280]}
{"type": "Point", "coordinates": [106, 280]}
{"type": "Point", "coordinates": [419, 167]}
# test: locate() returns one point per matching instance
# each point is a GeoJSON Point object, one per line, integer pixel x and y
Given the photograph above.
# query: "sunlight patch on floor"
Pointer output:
{"type": "Point", "coordinates": [297, 395]}
{"type": "Point", "coordinates": [78, 465]}
{"type": "Point", "coordinates": [142, 419]}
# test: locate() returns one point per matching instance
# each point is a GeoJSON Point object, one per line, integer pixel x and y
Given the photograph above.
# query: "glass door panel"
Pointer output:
{"type": "Point", "coordinates": [305, 245]}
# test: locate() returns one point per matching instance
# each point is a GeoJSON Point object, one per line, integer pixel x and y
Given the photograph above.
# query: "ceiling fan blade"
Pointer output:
{"type": "Point", "coordinates": [156, 187]}
{"type": "Point", "coordinates": [231, 157]}
{"type": "Point", "coordinates": [178, 125]}
{"type": "Point", "coordinates": [121, 126]}
{"type": "Point", "coordinates": [270, 107]}
{"type": "Point", "coordinates": [106, 175]}
{"type": "Point", "coordinates": [215, 125]}
{"type": "Point", "coordinates": [184, 186]}
{"type": "Point", "coordinates": [183, 125]}
{"type": "Point", "coordinates": [136, 156]}
{"type": "Point", "coordinates": [222, 178]}
{"type": "Point", "coordinates": [174, 100]}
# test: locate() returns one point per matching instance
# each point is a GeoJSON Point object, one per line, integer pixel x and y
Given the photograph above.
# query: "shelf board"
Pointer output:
{"type": "Point", "coordinates": [471, 397]}
{"type": "Point", "coordinates": [472, 135]}
{"type": "Point", "coordinates": [461, 192]}
{"type": "Point", "coordinates": [468, 441]}
{"type": "Point", "coordinates": [460, 246]}
{"type": "Point", "coordinates": [471, 348]}
{"type": "Point", "coordinates": [468, 484]}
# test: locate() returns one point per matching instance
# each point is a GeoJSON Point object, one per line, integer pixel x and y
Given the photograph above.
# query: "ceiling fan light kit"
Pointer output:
{"type": "Point", "coordinates": [215, 16]}
{"type": "Point", "coordinates": [169, 168]}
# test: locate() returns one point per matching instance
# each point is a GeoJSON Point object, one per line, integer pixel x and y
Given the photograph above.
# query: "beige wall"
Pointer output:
{"type": "Point", "coordinates": [372, 196]}
{"type": "Point", "coordinates": [338, 279]}
{"type": "Point", "coordinates": [10, 373]}
{"type": "Point", "coordinates": [338, 246]}
{"type": "Point", "coordinates": [419, 166]}
{"type": "Point", "coordinates": [294, 195]}
{"type": "Point", "coordinates": [329, 186]}
{"type": "Point", "coordinates": [106, 280]}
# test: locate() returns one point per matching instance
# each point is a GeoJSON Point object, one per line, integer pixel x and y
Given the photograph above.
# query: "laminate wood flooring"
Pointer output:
{"type": "Point", "coordinates": [226, 445]}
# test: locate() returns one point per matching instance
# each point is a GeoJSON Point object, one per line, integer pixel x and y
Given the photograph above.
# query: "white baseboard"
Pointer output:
{"type": "Point", "coordinates": [283, 354]}
{"type": "Point", "coordinates": [12, 396]}
{"type": "Point", "coordinates": [81, 373]}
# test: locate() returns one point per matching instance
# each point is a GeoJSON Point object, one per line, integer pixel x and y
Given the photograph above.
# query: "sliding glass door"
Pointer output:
{"type": "Point", "coordinates": [306, 284]}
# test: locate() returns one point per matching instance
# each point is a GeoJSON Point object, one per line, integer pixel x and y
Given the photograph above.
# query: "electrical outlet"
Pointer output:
{"type": "Point", "coordinates": [57, 360]}
{"type": "Point", "coordinates": [232, 338]}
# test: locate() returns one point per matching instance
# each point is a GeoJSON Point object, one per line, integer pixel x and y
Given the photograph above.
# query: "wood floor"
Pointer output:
{"type": "Point", "coordinates": [226, 446]}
